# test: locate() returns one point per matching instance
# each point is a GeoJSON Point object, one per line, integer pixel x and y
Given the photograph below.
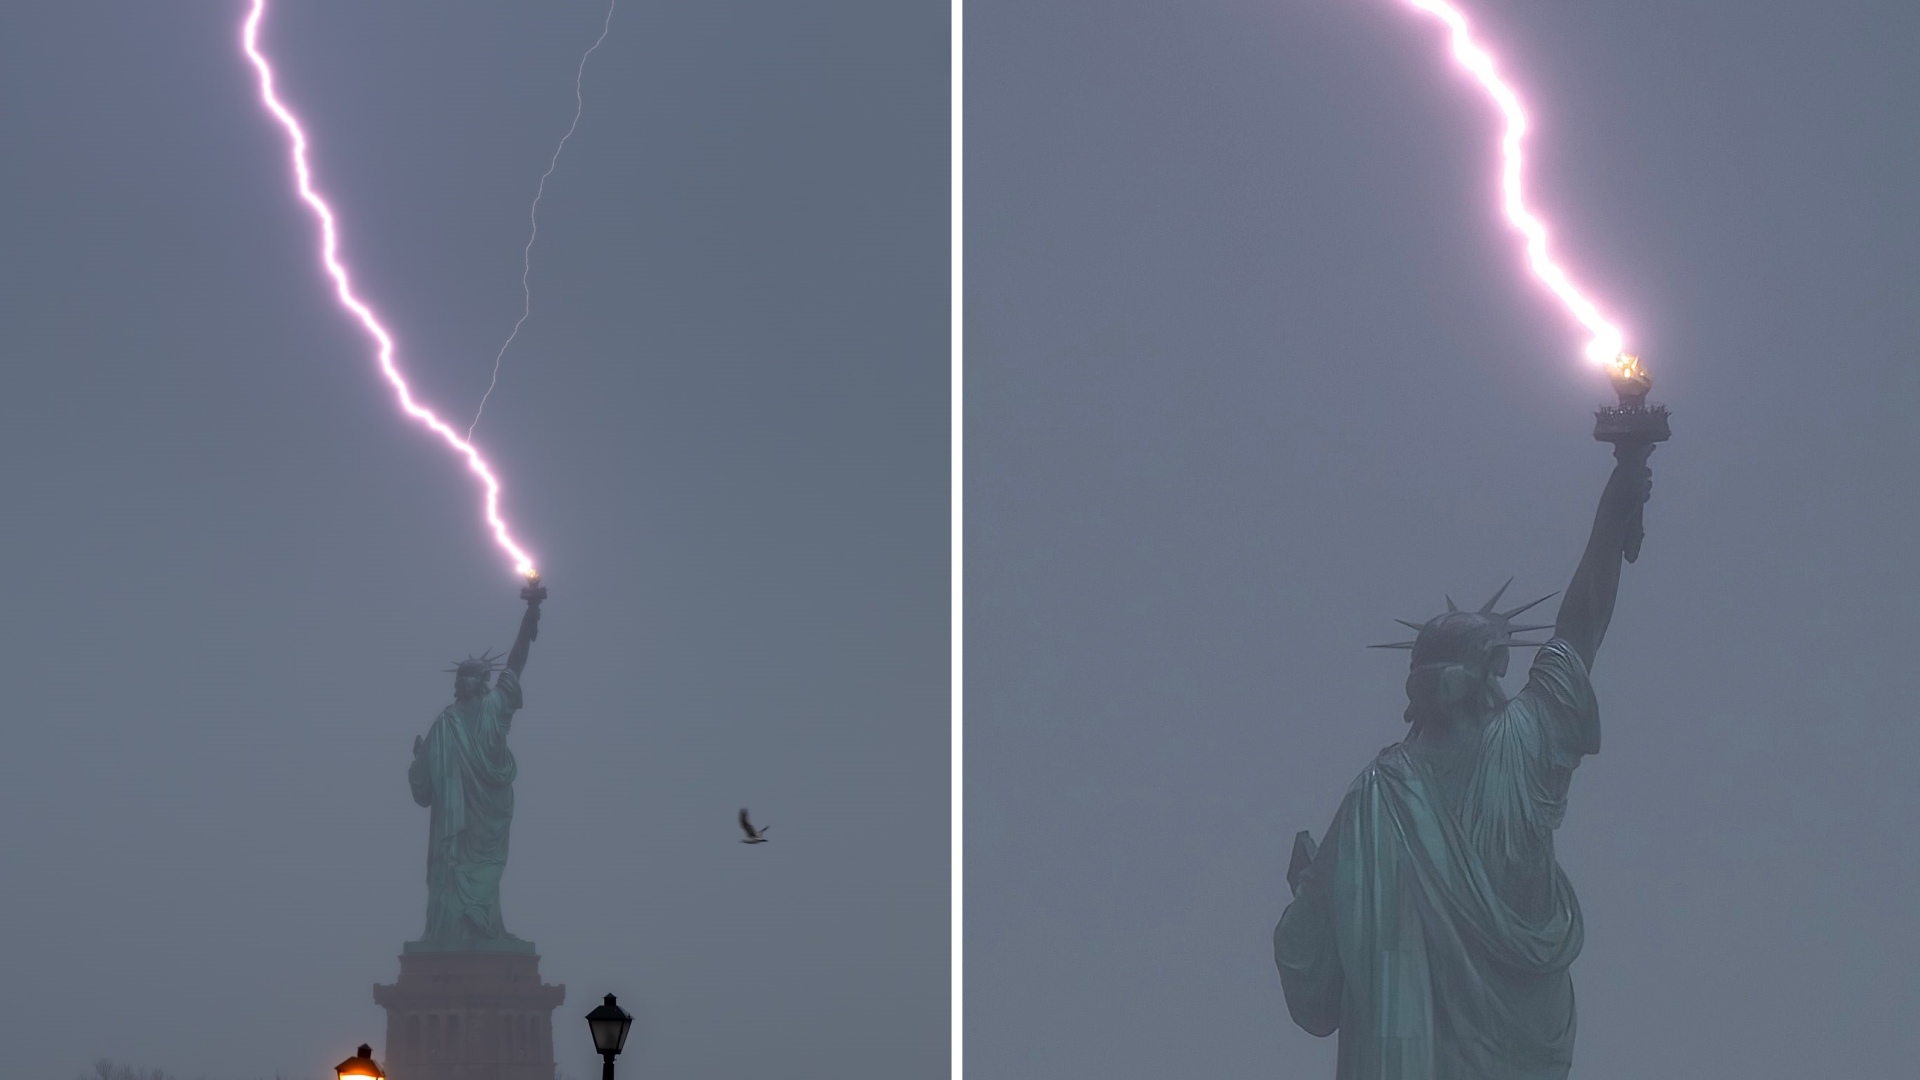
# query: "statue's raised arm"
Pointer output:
{"type": "Point", "coordinates": [1587, 607]}
{"type": "Point", "coordinates": [1633, 427]}
{"type": "Point", "coordinates": [529, 625]}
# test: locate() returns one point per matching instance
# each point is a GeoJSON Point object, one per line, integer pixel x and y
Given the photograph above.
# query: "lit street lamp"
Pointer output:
{"type": "Point", "coordinates": [360, 1065]}
{"type": "Point", "coordinates": [609, 1023]}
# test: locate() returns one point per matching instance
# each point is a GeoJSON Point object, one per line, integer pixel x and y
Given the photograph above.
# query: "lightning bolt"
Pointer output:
{"type": "Point", "coordinates": [1607, 341]}
{"type": "Point", "coordinates": [362, 313]}
{"type": "Point", "coordinates": [533, 218]}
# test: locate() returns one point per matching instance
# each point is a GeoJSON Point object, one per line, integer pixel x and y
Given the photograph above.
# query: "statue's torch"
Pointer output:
{"type": "Point", "coordinates": [533, 593]}
{"type": "Point", "coordinates": [1633, 422]}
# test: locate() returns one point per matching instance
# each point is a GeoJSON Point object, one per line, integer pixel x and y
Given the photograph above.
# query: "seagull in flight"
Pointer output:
{"type": "Point", "coordinates": [754, 836]}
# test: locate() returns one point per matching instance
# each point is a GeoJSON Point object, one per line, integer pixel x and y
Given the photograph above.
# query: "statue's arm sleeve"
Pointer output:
{"type": "Point", "coordinates": [1560, 701]}
{"type": "Point", "coordinates": [504, 700]}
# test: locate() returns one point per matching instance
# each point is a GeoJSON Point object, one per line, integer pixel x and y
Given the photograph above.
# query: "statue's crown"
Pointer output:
{"type": "Point", "coordinates": [485, 664]}
{"type": "Point", "coordinates": [1467, 637]}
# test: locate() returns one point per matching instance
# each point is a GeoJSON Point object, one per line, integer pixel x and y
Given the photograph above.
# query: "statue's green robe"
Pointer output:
{"type": "Point", "coordinates": [464, 773]}
{"type": "Point", "coordinates": [1436, 939]}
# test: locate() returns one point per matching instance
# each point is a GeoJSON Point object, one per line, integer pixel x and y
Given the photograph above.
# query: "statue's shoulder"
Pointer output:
{"type": "Point", "coordinates": [1394, 756]}
{"type": "Point", "coordinates": [1557, 678]}
{"type": "Point", "coordinates": [506, 693]}
{"type": "Point", "coordinates": [1557, 661]}
{"type": "Point", "coordinates": [1393, 760]}
{"type": "Point", "coordinates": [449, 717]}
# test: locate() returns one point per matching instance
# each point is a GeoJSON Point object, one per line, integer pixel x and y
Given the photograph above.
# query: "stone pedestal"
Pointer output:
{"type": "Point", "coordinates": [469, 1016]}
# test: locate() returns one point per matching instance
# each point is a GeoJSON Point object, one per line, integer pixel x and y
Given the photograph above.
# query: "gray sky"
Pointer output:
{"type": "Point", "coordinates": [238, 575]}
{"type": "Point", "coordinates": [1253, 371]}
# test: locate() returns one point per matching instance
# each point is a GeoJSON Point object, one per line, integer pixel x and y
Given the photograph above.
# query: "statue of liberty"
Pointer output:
{"type": "Point", "coordinates": [1432, 927]}
{"type": "Point", "coordinates": [463, 772]}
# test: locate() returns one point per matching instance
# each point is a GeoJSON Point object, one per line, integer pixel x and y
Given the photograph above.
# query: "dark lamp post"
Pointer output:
{"type": "Point", "coordinates": [361, 1065]}
{"type": "Point", "coordinates": [609, 1023]}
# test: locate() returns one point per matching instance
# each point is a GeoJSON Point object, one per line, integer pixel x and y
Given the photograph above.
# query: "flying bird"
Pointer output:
{"type": "Point", "coordinates": [754, 836]}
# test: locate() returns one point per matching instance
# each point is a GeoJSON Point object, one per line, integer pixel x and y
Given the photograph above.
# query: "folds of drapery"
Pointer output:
{"type": "Point", "coordinates": [1437, 940]}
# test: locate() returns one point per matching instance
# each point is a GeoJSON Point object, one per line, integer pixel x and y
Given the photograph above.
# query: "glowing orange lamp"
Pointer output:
{"type": "Point", "coordinates": [361, 1065]}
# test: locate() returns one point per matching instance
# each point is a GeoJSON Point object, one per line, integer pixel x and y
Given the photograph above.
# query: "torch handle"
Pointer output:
{"type": "Point", "coordinates": [1636, 532]}
{"type": "Point", "coordinates": [1633, 423]}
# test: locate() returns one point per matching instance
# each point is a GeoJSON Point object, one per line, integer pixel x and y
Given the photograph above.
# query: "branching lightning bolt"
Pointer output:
{"type": "Point", "coordinates": [533, 219]}
{"type": "Point", "coordinates": [330, 259]}
{"type": "Point", "coordinates": [1607, 340]}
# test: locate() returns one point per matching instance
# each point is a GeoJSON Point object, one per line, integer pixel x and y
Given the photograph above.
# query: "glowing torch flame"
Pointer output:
{"type": "Point", "coordinates": [1607, 340]}
{"type": "Point", "coordinates": [1626, 366]}
{"type": "Point", "coordinates": [1630, 380]}
{"type": "Point", "coordinates": [329, 258]}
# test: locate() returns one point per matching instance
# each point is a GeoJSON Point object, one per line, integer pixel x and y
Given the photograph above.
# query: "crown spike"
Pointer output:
{"type": "Point", "coordinates": [1413, 626]}
{"type": "Point", "coordinates": [1529, 607]}
{"type": "Point", "coordinates": [1393, 645]}
{"type": "Point", "coordinates": [1487, 608]}
{"type": "Point", "coordinates": [1451, 607]}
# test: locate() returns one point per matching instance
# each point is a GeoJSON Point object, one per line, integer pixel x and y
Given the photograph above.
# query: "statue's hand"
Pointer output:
{"type": "Point", "coordinates": [418, 744]}
{"type": "Point", "coordinates": [1631, 463]}
{"type": "Point", "coordinates": [1633, 453]}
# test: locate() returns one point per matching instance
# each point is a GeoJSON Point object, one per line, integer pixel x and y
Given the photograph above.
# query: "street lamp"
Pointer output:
{"type": "Point", "coordinates": [360, 1065]}
{"type": "Point", "coordinates": [609, 1023]}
